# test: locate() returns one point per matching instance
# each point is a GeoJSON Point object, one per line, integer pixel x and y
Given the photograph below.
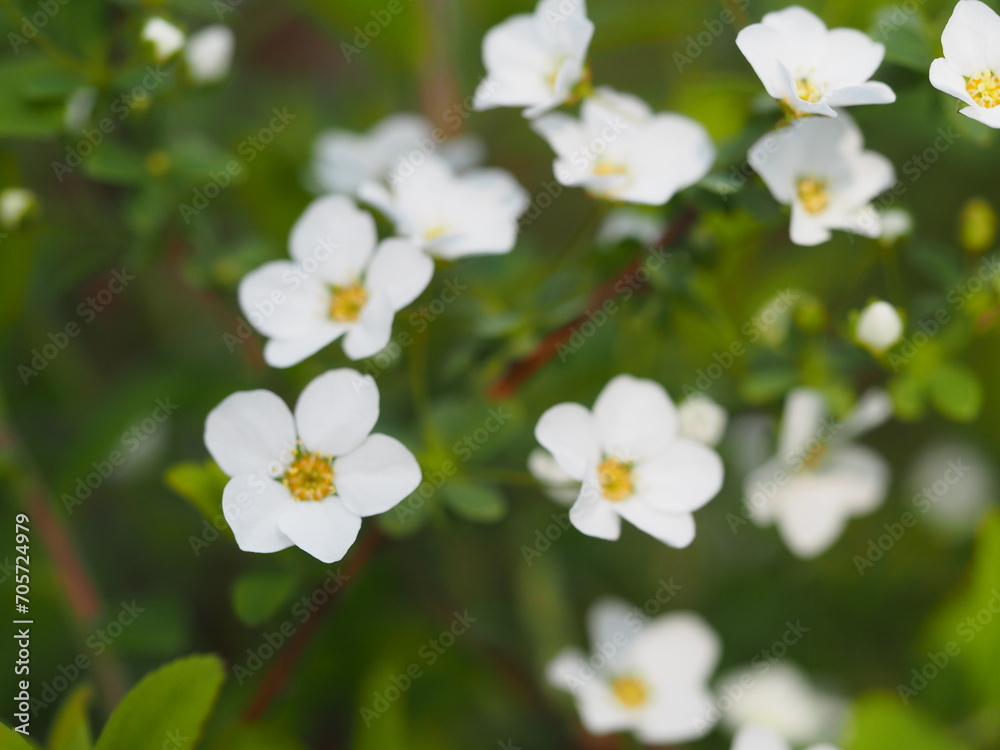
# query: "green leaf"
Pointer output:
{"type": "Point", "coordinates": [115, 164]}
{"type": "Point", "coordinates": [381, 726]}
{"type": "Point", "coordinates": [71, 728]}
{"type": "Point", "coordinates": [201, 483]}
{"type": "Point", "coordinates": [172, 702]}
{"type": "Point", "coordinates": [475, 502]}
{"type": "Point", "coordinates": [11, 740]}
{"type": "Point", "coordinates": [257, 596]}
{"type": "Point", "coordinates": [881, 721]}
{"type": "Point", "coordinates": [19, 115]}
{"type": "Point", "coordinates": [956, 392]}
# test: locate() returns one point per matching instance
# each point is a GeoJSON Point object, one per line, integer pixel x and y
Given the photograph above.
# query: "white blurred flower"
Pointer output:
{"type": "Point", "coordinates": [450, 215]}
{"type": "Point", "coordinates": [650, 678]}
{"type": "Point", "coordinates": [15, 205]}
{"type": "Point", "coordinates": [209, 53]}
{"type": "Point", "coordinates": [702, 419]}
{"type": "Point", "coordinates": [557, 484]}
{"type": "Point", "coordinates": [310, 478]}
{"type": "Point", "coordinates": [819, 479]}
{"type": "Point", "coordinates": [896, 223]}
{"type": "Point", "coordinates": [820, 168]}
{"type": "Point", "coordinates": [337, 284]}
{"type": "Point", "coordinates": [535, 60]}
{"type": "Point", "coordinates": [762, 738]}
{"type": "Point", "coordinates": [620, 150]}
{"type": "Point", "coordinates": [970, 68]}
{"type": "Point", "coordinates": [783, 700]}
{"type": "Point", "coordinates": [954, 483]}
{"type": "Point", "coordinates": [812, 69]}
{"type": "Point", "coordinates": [879, 326]}
{"type": "Point", "coordinates": [629, 224]}
{"type": "Point", "coordinates": [79, 107]}
{"type": "Point", "coordinates": [165, 38]}
{"type": "Point", "coordinates": [631, 462]}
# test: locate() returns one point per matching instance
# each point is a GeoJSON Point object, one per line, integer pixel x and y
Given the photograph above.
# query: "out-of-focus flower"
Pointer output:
{"type": "Point", "coordinates": [79, 107]}
{"type": "Point", "coordinates": [953, 483]}
{"type": "Point", "coordinates": [977, 225]}
{"type": "Point", "coordinates": [307, 480]}
{"type": "Point", "coordinates": [535, 60]}
{"type": "Point", "coordinates": [819, 167]}
{"type": "Point", "coordinates": [896, 223]}
{"type": "Point", "coordinates": [449, 215]}
{"type": "Point", "coordinates": [648, 677]}
{"type": "Point", "coordinates": [702, 419]}
{"type": "Point", "coordinates": [338, 284]}
{"type": "Point", "coordinates": [15, 205]}
{"type": "Point", "coordinates": [811, 69]}
{"type": "Point", "coordinates": [209, 53]}
{"type": "Point", "coordinates": [819, 479]}
{"type": "Point", "coordinates": [557, 484]}
{"type": "Point", "coordinates": [620, 150]}
{"type": "Point", "coordinates": [631, 462]}
{"type": "Point", "coordinates": [165, 38]}
{"type": "Point", "coordinates": [782, 699]}
{"type": "Point", "coordinates": [762, 738]}
{"type": "Point", "coordinates": [629, 224]}
{"type": "Point", "coordinates": [970, 68]}
{"type": "Point", "coordinates": [879, 327]}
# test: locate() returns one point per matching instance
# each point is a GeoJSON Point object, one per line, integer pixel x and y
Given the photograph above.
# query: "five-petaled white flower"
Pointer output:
{"type": "Point", "coordinates": [879, 326]}
{"type": "Point", "coordinates": [535, 60]}
{"type": "Point", "coordinates": [209, 53]}
{"type": "Point", "coordinates": [820, 168]}
{"type": "Point", "coordinates": [451, 215]}
{"type": "Point", "coordinates": [631, 462]}
{"type": "Point", "coordinates": [340, 284]}
{"type": "Point", "coordinates": [647, 676]}
{"type": "Point", "coordinates": [819, 479]}
{"type": "Point", "coordinates": [307, 480]}
{"type": "Point", "coordinates": [970, 68]}
{"type": "Point", "coordinates": [761, 738]}
{"type": "Point", "coordinates": [620, 150]}
{"type": "Point", "coordinates": [811, 69]}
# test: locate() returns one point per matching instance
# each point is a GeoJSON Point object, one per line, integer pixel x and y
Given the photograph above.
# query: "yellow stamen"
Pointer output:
{"type": "Point", "coordinates": [615, 478]}
{"type": "Point", "coordinates": [346, 302]}
{"type": "Point", "coordinates": [984, 89]}
{"type": "Point", "coordinates": [310, 477]}
{"type": "Point", "coordinates": [630, 690]}
{"type": "Point", "coordinates": [606, 169]}
{"type": "Point", "coordinates": [807, 91]}
{"type": "Point", "coordinates": [813, 194]}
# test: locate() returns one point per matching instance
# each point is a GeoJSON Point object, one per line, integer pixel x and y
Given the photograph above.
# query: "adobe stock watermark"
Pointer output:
{"type": "Point", "coordinates": [31, 25]}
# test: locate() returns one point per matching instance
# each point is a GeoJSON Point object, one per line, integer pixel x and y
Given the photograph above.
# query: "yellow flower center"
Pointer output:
{"type": "Point", "coordinates": [346, 302]}
{"type": "Point", "coordinates": [434, 232]}
{"type": "Point", "coordinates": [615, 478]}
{"type": "Point", "coordinates": [310, 477]}
{"type": "Point", "coordinates": [607, 169]}
{"type": "Point", "coordinates": [807, 91]}
{"type": "Point", "coordinates": [812, 458]}
{"type": "Point", "coordinates": [984, 89]}
{"type": "Point", "coordinates": [813, 194]}
{"type": "Point", "coordinates": [630, 691]}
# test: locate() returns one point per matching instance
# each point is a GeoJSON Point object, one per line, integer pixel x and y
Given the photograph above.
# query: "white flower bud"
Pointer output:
{"type": "Point", "coordinates": [702, 419]}
{"type": "Point", "coordinates": [166, 38]}
{"type": "Point", "coordinates": [209, 53]}
{"type": "Point", "coordinates": [879, 326]}
{"type": "Point", "coordinates": [15, 204]}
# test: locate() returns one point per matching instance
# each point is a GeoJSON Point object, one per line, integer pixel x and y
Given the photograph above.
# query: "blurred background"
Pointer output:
{"type": "Point", "coordinates": [120, 331]}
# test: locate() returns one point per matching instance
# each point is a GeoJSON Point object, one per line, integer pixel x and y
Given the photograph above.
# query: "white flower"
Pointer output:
{"type": "Point", "coordinates": [535, 60]}
{"type": "Point", "coordinates": [812, 69]}
{"type": "Point", "coordinates": [451, 215]}
{"type": "Point", "coordinates": [970, 68]}
{"type": "Point", "coordinates": [620, 150]}
{"type": "Point", "coordinates": [15, 205]}
{"type": "Point", "coordinates": [629, 224]}
{"type": "Point", "coordinates": [953, 484]}
{"type": "Point", "coordinates": [631, 462]}
{"type": "Point", "coordinates": [819, 479]}
{"type": "Point", "coordinates": [762, 738]}
{"type": "Point", "coordinates": [557, 484]}
{"type": "Point", "coordinates": [896, 223]}
{"type": "Point", "coordinates": [782, 699]}
{"type": "Point", "coordinates": [820, 168]}
{"type": "Point", "coordinates": [879, 326]}
{"type": "Point", "coordinates": [307, 480]}
{"type": "Point", "coordinates": [79, 107]}
{"type": "Point", "coordinates": [165, 38]}
{"type": "Point", "coordinates": [702, 419]}
{"type": "Point", "coordinates": [209, 53]}
{"type": "Point", "coordinates": [340, 284]}
{"type": "Point", "coordinates": [647, 676]}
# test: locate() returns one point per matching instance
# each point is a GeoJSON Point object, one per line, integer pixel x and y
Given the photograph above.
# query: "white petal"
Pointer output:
{"type": "Point", "coordinates": [945, 78]}
{"type": "Point", "coordinates": [807, 230]}
{"type": "Point", "coordinates": [759, 45]}
{"type": "Point", "coordinates": [280, 303]}
{"type": "Point", "coordinates": [400, 270]}
{"type": "Point", "coordinates": [678, 715]}
{"type": "Point", "coordinates": [988, 116]}
{"type": "Point", "coordinates": [567, 431]}
{"type": "Point", "coordinates": [970, 38]}
{"type": "Point", "coordinates": [858, 476]}
{"type": "Point", "coordinates": [801, 423]}
{"type": "Point", "coordinates": [673, 529]}
{"type": "Point", "coordinates": [568, 670]}
{"type": "Point", "coordinates": [759, 738]}
{"type": "Point", "coordinates": [872, 92]}
{"type": "Point", "coordinates": [334, 237]}
{"type": "Point", "coordinates": [287, 352]}
{"type": "Point", "coordinates": [594, 516]}
{"type": "Point", "coordinates": [323, 528]}
{"type": "Point", "coordinates": [337, 411]}
{"type": "Point", "coordinates": [677, 650]}
{"type": "Point", "coordinates": [681, 479]}
{"type": "Point", "coordinates": [252, 505]}
{"type": "Point", "coordinates": [371, 332]}
{"type": "Point", "coordinates": [600, 712]}
{"type": "Point", "coordinates": [376, 475]}
{"type": "Point", "coordinates": [251, 432]}
{"type": "Point", "coordinates": [873, 409]}
{"type": "Point", "coordinates": [209, 53]}
{"type": "Point", "coordinates": [813, 516]}
{"type": "Point", "coordinates": [634, 418]}
{"type": "Point", "coordinates": [612, 625]}
{"type": "Point", "coordinates": [851, 58]}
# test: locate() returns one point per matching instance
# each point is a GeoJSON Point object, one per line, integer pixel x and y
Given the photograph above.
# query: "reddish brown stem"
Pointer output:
{"type": "Point", "coordinates": [277, 676]}
{"type": "Point", "coordinates": [519, 371]}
